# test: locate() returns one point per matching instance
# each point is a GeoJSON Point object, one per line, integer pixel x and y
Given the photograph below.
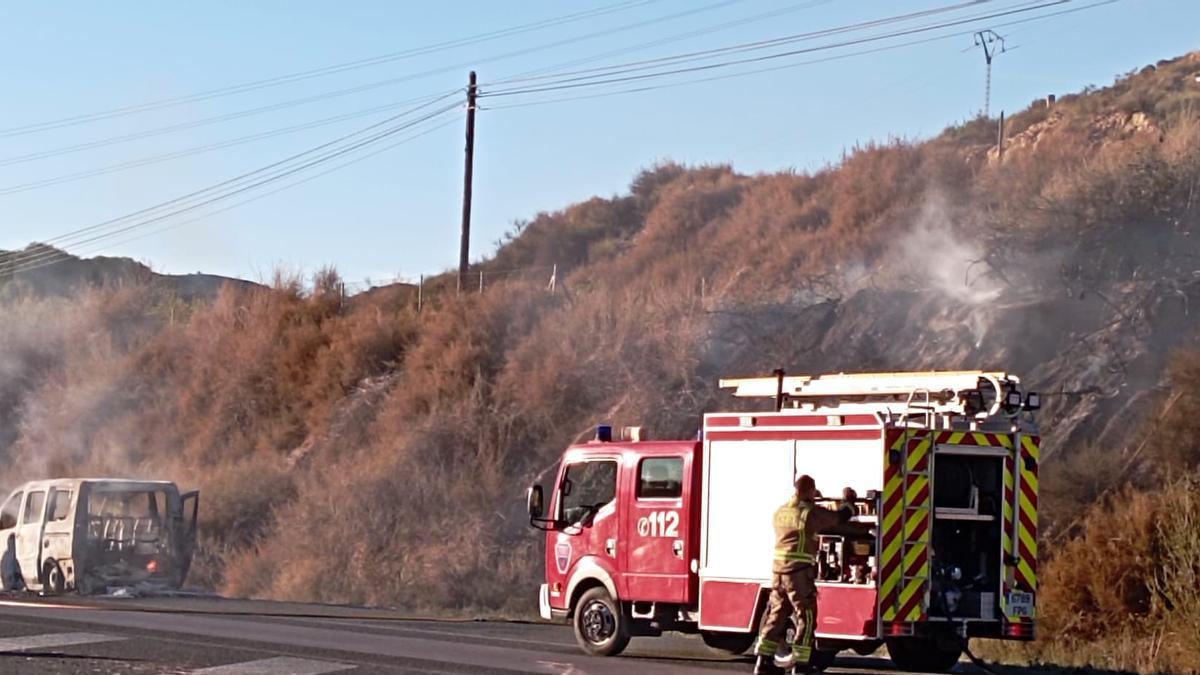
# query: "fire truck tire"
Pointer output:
{"type": "Point", "coordinates": [53, 581]}
{"type": "Point", "coordinates": [922, 654]}
{"type": "Point", "coordinates": [733, 644]}
{"type": "Point", "coordinates": [601, 626]}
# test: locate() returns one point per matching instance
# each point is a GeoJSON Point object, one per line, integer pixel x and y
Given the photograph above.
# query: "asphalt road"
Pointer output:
{"type": "Point", "coordinates": [222, 637]}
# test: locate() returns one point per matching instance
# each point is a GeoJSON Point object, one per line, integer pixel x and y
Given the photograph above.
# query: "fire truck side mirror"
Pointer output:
{"type": "Point", "coordinates": [534, 502]}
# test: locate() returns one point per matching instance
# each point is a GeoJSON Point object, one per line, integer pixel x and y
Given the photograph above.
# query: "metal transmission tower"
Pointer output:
{"type": "Point", "coordinates": [988, 40]}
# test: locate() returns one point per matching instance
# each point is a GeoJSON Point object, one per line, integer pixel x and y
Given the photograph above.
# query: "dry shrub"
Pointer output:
{"type": "Point", "coordinates": [1104, 573]}
{"type": "Point", "coordinates": [1124, 593]}
{"type": "Point", "coordinates": [238, 505]}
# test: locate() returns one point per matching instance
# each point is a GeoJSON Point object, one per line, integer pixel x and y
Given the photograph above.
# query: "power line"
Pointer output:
{"type": "Point", "coordinates": [611, 78]}
{"type": "Point", "coordinates": [199, 149]}
{"type": "Point", "coordinates": [715, 78]}
{"type": "Point", "coordinates": [260, 170]}
{"type": "Point", "coordinates": [725, 25]}
{"type": "Point", "coordinates": [23, 262]}
{"type": "Point", "coordinates": [329, 150]}
{"type": "Point", "coordinates": [58, 256]}
{"type": "Point", "coordinates": [745, 46]}
{"type": "Point", "coordinates": [319, 72]}
{"type": "Point", "coordinates": [742, 73]}
{"type": "Point", "coordinates": [160, 131]}
{"type": "Point", "coordinates": [347, 91]}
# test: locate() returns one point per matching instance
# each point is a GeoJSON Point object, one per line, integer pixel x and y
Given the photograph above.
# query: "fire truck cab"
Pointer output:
{"type": "Point", "coordinates": [647, 536]}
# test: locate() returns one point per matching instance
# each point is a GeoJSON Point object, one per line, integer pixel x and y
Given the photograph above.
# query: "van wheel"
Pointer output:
{"type": "Point", "coordinates": [923, 654]}
{"type": "Point", "coordinates": [733, 644]}
{"type": "Point", "coordinates": [53, 581]}
{"type": "Point", "coordinates": [601, 628]}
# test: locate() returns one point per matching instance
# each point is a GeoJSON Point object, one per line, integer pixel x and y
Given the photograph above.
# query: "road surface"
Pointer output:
{"type": "Point", "coordinates": [224, 637]}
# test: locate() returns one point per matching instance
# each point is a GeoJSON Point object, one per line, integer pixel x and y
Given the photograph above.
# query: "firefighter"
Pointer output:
{"type": "Point", "coordinates": [793, 587]}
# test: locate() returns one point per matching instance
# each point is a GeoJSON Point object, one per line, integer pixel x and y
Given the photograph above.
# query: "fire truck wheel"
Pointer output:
{"type": "Point", "coordinates": [601, 628]}
{"type": "Point", "coordinates": [53, 581]}
{"type": "Point", "coordinates": [733, 644]}
{"type": "Point", "coordinates": [924, 654]}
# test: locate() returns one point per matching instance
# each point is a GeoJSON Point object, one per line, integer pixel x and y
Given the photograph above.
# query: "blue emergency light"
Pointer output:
{"type": "Point", "coordinates": [604, 433]}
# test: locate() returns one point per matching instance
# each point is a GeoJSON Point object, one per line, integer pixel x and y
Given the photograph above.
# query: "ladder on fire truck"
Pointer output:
{"type": "Point", "coordinates": [959, 392]}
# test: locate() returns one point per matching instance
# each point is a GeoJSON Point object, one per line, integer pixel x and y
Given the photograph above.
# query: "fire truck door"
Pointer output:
{"type": "Point", "coordinates": [657, 551]}
{"type": "Point", "coordinates": [586, 506]}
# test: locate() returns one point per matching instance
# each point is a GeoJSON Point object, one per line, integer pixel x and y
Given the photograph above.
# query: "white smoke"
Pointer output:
{"type": "Point", "coordinates": [940, 255]}
{"type": "Point", "coordinates": [945, 258]}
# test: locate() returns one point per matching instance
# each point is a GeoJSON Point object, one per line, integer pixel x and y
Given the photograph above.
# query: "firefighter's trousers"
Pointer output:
{"type": "Point", "coordinates": [793, 596]}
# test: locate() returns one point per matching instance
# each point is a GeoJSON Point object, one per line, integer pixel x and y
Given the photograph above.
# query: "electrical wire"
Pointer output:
{"type": "Point", "coordinates": [136, 163]}
{"type": "Point", "coordinates": [320, 72]}
{"type": "Point", "coordinates": [230, 207]}
{"type": "Point", "coordinates": [611, 78]}
{"type": "Point", "coordinates": [745, 46]}
{"type": "Point", "coordinates": [743, 73]}
{"type": "Point", "coordinates": [43, 257]}
{"type": "Point", "coordinates": [672, 38]}
{"type": "Point", "coordinates": [273, 172]}
{"type": "Point", "coordinates": [714, 78]}
{"type": "Point", "coordinates": [250, 174]}
{"type": "Point", "coordinates": [346, 91]}
{"type": "Point", "coordinates": [199, 149]}
{"type": "Point", "coordinates": [160, 131]}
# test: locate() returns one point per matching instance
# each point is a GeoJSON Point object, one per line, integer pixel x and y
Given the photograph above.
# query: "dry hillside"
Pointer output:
{"type": "Point", "coordinates": [361, 451]}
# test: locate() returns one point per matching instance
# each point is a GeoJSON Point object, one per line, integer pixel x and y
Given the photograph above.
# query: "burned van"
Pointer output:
{"type": "Point", "coordinates": [87, 534]}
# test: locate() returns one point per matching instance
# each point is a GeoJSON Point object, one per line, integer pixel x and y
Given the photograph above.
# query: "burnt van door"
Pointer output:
{"type": "Point", "coordinates": [657, 530]}
{"type": "Point", "coordinates": [190, 502]}
{"type": "Point", "coordinates": [29, 536]}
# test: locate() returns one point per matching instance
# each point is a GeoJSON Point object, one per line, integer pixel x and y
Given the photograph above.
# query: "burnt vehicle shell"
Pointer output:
{"type": "Point", "coordinates": [88, 534]}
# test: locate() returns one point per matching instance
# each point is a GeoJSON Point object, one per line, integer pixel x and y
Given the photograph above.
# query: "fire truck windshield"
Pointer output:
{"type": "Point", "coordinates": [586, 487]}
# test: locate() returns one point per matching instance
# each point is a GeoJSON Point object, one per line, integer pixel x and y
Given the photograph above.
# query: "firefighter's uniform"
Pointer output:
{"type": "Point", "coordinates": [793, 587]}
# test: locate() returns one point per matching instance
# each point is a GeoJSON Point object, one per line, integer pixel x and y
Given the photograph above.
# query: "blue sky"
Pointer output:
{"type": "Point", "coordinates": [397, 213]}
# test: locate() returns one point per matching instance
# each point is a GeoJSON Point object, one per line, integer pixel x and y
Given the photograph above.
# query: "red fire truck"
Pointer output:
{"type": "Point", "coordinates": [650, 536]}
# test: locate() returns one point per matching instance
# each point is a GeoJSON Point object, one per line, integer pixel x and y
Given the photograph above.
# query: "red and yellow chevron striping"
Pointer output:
{"type": "Point", "coordinates": [907, 518]}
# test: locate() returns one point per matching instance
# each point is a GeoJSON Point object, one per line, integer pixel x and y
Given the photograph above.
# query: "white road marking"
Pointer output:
{"type": "Point", "coordinates": [281, 665]}
{"type": "Point", "coordinates": [48, 640]}
{"type": "Point", "coordinates": [563, 668]}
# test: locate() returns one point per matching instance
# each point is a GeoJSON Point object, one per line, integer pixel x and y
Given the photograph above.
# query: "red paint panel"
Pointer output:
{"type": "Point", "coordinates": [846, 610]}
{"type": "Point", "coordinates": [728, 604]}
{"type": "Point", "coordinates": [826, 435]}
{"type": "Point", "coordinates": [772, 420]}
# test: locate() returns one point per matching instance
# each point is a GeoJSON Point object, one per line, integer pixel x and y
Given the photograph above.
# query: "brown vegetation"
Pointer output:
{"type": "Point", "coordinates": [362, 451]}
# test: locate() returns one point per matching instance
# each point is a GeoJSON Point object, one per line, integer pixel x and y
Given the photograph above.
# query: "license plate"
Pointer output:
{"type": "Point", "coordinates": [1020, 604]}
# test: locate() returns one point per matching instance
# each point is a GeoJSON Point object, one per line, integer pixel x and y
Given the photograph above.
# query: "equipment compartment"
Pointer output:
{"type": "Point", "coordinates": [966, 561]}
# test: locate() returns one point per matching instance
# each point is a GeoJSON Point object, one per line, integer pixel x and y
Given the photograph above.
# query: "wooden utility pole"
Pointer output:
{"type": "Point", "coordinates": [464, 249]}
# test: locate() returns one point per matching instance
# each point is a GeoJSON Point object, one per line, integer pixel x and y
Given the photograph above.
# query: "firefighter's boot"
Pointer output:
{"type": "Point", "coordinates": [765, 665]}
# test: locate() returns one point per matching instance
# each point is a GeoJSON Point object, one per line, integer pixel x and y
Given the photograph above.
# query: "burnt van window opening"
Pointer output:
{"type": "Point", "coordinates": [136, 504]}
{"type": "Point", "coordinates": [123, 520]}
{"type": "Point", "coordinates": [60, 505]}
{"type": "Point", "coordinates": [8, 515]}
{"type": "Point", "coordinates": [586, 487]}
{"type": "Point", "coordinates": [660, 478]}
{"type": "Point", "coordinates": [33, 506]}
